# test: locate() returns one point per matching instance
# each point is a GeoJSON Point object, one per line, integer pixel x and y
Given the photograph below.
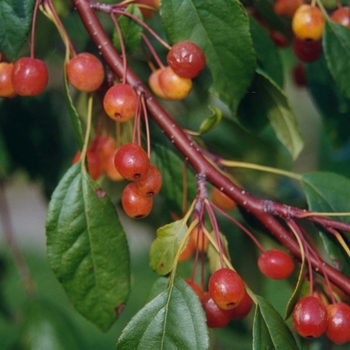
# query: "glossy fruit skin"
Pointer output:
{"type": "Point", "coordinates": [103, 145]}
{"type": "Point", "coordinates": [153, 82]}
{"type": "Point", "coordinates": [342, 16]}
{"type": "Point", "coordinates": [132, 161]}
{"type": "Point", "coordinates": [216, 317]}
{"type": "Point", "coordinates": [120, 102]}
{"type": "Point", "coordinates": [151, 183]}
{"type": "Point", "coordinates": [307, 50]}
{"type": "Point", "coordinates": [135, 205]}
{"type": "Point", "coordinates": [338, 330]}
{"type": "Point", "coordinates": [195, 288]}
{"type": "Point", "coordinates": [85, 72]}
{"type": "Point", "coordinates": [243, 308]}
{"type": "Point", "coordinates": [200, 240]}
{"type": "Point", "coordinates": [147, 13]}
{"type": "Point", "coordinates": [310, 317]}
{"type": "Point", "coordinates": [109, 168]}
{"type": "Point", "coordinates": [276, 264]}
{"type": "Point", "coordinates": [172, 85]}
{"type": "Point", "coordinates": [308, 22]}
{"type": "Point", "coordinates": [188, 251]}
{"type": "Point", "coordinates": [6, 87]}
{"type": "Point", "coordinates": [29, 76]}
{"type": "Point", "coordinates": [221, 200]}
{"type": "Point", "coordinates": [286, 8]}
{"type": "Point", "coordinates": [186, 59]}
{"type": "Point", "coordinates": [226, 288]}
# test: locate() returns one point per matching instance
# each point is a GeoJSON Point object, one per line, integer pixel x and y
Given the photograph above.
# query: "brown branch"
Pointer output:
{"type": "Point", "coordinates": [191, 153]}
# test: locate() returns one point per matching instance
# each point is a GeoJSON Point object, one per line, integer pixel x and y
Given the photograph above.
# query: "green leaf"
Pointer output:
{"type": "Point", "coordinates": [334, 106]}
{"type": "Point", "coordinates": [15, 18]}
{"type": "Point", "coordinates": [46, 327]}
{"type": "Point", "coordinates": [171, 167]}
{"type": "Point", "coordinates": [269, 329]}
{"type": "Point", "coordinates": [268, 58]}
{"type": "Point", "coordinates": [280, 115]}
{"type": "Point", "coordinates": [87, 248]}
{"type": "Point", "coordinates": [212, 121]}
{"type": "Point", "coordinates": [174, 320]}
{"type": "Point", "coordinates": [165, 246]}
{"type": "Point", "coordinates": [329, 192]}
{"type": "Point", "coordinates": [159, 286]}
{"type": "Point", "coordinates": [336, 46]}
{"type": "Point", "coordinates": [74, 116]}
{"type": "Point", "coordinates": [265, 10]}
{"type": "Point", "coordinates": [221, 29]}
{"type": "Point", "coordinates": [131, 31]}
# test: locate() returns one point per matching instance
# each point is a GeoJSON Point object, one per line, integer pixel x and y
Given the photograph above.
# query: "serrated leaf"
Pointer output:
{"type": "Point", "coordinates": [280, 114]}
{"type": "Point", "coordinates": [334, 106]}
{"type": "Point", "coordinates": [159, 286]}
{"type": "Point", "coordinates": [269, 329]}
{"type": "Point", "coordinates": [212, 121]}
{"type": "Point", "coordinates": [221, 29]}
{"type": "Point", "coordinates": [131, 31]}
{"type": "Point", "coordinates": [174, 320]}
{"type": "Point", "coordinates": [87, 248]}
{"type": "Point", "coordinates": [329, 192]}
{"type": "Point", "coordinates": [171, 167]}
{"type": "Point", "coordinates": [74, 116]}
{"type": "Point", "coordinates": [15, 22]}
{"type": "Point", "coordinates": [268, 58]}
{"type": "Point", "coordinates": [336, 47]}
{"type": "Point", "coordinates": [165, 246]}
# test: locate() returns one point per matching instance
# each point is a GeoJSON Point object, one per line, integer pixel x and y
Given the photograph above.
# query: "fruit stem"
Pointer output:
{"type": "Point", "coordinates": [122, 46]}
{"type": "Point", "coordinates": [88, 130]}
{"type": "Point", "coordinates": [153, 51]}
{"type": "Point", "coordinates": [32, 44]}
{"type": "Point", "coordinates": [243, 228]}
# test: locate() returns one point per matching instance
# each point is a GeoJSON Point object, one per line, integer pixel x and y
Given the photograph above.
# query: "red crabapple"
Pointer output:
{"type": "Point", "coordinates": [308, 22]}
{"type": "Point", "coordinates": [310, 317]}
{"type": "Point", "coordinates": [132, 161]}
{"type": "Point", "coordinates": [120, 102]}
{"type": "Point", "coordinates": [135, 205]}
{"type": "Point", "coordinates": [276, 264]}
{"type": "Point", "coordinates": [186, 59]}
{"type": "Point", "coordinates": [216, 317]}
{"type": "Point", "coordinates": [6, 87]}
{"type": "Point", "coordinates": [342, 16]}
{"type": "Point", "coordinates": [29, 76]}
{"type": "Point", "coordinates": [85, 72]}
{"type": "Point", "coordinates": [226, 288]}
{"type": "Point", "coordinates": [172, 85]}
{"type": "Point", "coordinates": [150, 184]}
{"type": "Point", "coordinates": [338, 329]}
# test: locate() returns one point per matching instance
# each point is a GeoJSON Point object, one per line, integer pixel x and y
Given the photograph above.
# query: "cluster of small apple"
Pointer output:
{"type": "Point", "coordinates": [28, 76]}
{"type": "Point", "coordinates": [307, 24]}
{"type": "Point", "coordinates": [314, 316]}
{"type": "Point", "coordinates": [228, 297]}
{"type": "Point", "coordinates": [173, 82]}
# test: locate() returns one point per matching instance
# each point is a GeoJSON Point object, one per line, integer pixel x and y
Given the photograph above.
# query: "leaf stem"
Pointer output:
{"type": "Point", "coordinates": [237, 164]}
